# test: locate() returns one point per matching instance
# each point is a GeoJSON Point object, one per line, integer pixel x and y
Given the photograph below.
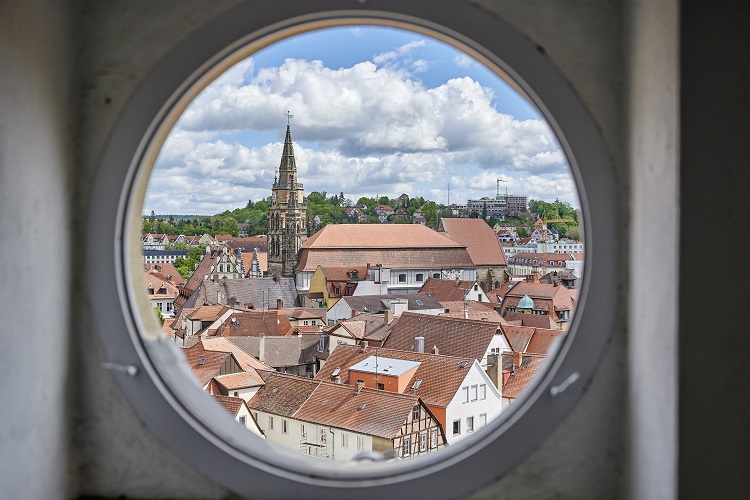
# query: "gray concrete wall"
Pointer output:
{"type": "Point", "coordinates": [35, 211]}
{"type": "Point", "coordinates": [65, 75]}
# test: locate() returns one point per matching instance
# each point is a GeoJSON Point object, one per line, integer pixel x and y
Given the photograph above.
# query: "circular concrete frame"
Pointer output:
{"type": "Point", "coordinates": [148, 367]}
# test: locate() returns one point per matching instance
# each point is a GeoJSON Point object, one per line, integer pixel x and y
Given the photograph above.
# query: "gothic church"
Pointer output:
{"type": "Point", "coordinates": [287, 215]}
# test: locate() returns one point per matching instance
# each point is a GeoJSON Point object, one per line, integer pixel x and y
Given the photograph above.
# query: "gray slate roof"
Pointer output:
{"type": "Point", "coordinates": [262, 293]}
{"type": "Point", "coordinates": [376, 303]}
{"type": "Point", "coordinates": [281, 351]}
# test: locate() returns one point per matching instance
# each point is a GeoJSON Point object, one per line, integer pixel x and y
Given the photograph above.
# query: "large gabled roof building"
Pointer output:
{"type": "Point", "coordinates": [406, 254]}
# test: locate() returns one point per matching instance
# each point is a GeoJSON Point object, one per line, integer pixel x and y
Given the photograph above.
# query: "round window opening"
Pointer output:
{"type": "Point", "coordinates": [349, 252]}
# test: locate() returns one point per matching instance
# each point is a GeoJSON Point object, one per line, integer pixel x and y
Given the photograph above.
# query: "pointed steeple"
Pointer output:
{"type": "Point", "coordinates": [287, 157]}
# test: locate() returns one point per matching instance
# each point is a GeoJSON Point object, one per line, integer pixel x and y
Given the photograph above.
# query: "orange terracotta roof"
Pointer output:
{"type": "Point", "coordinates": [239, 380]}
{"type": "Point", "coordinates": [208, 313]}
{"type": "Point", "coordinates": [532, 320]}
{"type": "Point", "coordinates": [246, 361]}
{"type": "Point", "coordinates": [375, 236]}
{"type": "Point", "coordinates": [253, 323]}
{"type": "Point", "coordinates": [344, 273]}
{"type": "Point", "coordinates": [441, 376]}
{"type": "Point", "coordinates": [474, 310]}
{"type": "Point", "coordinates": [282, 395]}
{"type": "Point", "coordinates": [204, 364]}
{"type": "Point", "coordinates": [230, 404]}
{"type": "Point", "coordinates": [479, 238]}
{"type": "Point", "coordinates": [367, 411]}
{"type": "Point", "coordinates": [415, 257]}
{"type": "Point", "coordinates": [522, 376]}
{"type": "Point", "coordinates": [542, 340]}
{"type": "Point", "coordinates": [447, 290]}
{"type": "Point", "coordinates": [465, 338]}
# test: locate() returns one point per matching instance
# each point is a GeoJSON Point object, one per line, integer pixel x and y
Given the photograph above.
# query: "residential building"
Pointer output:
{"type": "Point", "coordinates": [454, 290]}
{"type": "Point", "coordinates": [543, 299]}
{"type": "Point", "coordinates": [419, 302]}
{"type": "Point", "coordinates": [483, 246]}
{"type": "Point", "coordinates": [163, 256]}
{"type": "Point", "coordinates": [249, 293]}
{"type": "Point", "coordinates": [287, 215]}
{"type": "Point", "coordinates": [464, 338]}
{"type": "Point", "coordinates": [369, 327]}
{"type": "Point", "coordinates": [407, 254]}
{"type": "Point", "coordinates": [455, 389]}
{"type": "Point", "coordinates": [294, 354]}
{"type": "Point", "coordinates": [161, 292]}
{"type": "Point", "coordinates": [237, 408]}
{"type": "Point", "coordinates": [329, 284]}
{"type": "Point", "coordinates": [527, 263]}
{"type": "Point", "coordinates": [337, 422]}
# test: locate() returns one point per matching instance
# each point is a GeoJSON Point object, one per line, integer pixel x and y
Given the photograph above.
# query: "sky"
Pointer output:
{"type": "Point", "coordinates": [376, 112]}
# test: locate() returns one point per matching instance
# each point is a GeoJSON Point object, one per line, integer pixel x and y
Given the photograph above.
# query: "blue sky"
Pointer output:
{"type": "Point", "coordinates": [377, 111]}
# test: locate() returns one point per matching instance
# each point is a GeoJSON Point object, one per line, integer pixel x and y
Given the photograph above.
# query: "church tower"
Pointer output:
{"type": "Point", "coordinates": [287, 214]}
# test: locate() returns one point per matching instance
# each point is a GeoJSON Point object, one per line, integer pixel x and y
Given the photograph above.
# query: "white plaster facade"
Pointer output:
{"type": "Point", "coordinates": [477, 402]}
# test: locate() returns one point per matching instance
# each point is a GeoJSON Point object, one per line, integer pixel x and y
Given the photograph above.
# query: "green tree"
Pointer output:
{"type": "Point", "coordinates": [159, 315]}
{"type": "Point", "coordinates": [429, 212]}
{"type": "Point", "coordinates": [230, 226]}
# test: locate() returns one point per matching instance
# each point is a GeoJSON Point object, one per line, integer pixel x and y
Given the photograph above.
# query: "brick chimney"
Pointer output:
{"type": "Point", "coordinates": [435, 350]}
{"type": "Point", "coordinates": [279, 304]}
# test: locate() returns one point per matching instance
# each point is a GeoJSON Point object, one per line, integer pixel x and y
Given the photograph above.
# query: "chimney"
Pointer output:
{"type": "Point", "coordinates": [262, 347]}
{"type": "Point", "coordinates": [419, 344]}
{"type": "Point", "coordinates": [387, 316]}
{"type": "Point", "coordinates": [435, 350]}
{"type": "Point", "coordinates": [218, 297]}
{"type": "Point", "coordinates": [363, 346]}
{"type": "Point", "coordinates": [337, 379]}
{"type": "Point", "coordinates": [495, 370]}
{"type": "Point", "coordinates": [360, 385]}
{"type": "Point", "coordinates": [458, 280]}
{"type": "Point", "coordinates": [279, 304]}
{"type": "Point", "coordinates": [517, 360]}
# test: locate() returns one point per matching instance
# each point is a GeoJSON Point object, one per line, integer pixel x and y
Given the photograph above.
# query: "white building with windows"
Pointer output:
{"type": "Point", "coordinates": [336, 422]}
{"type": "Point", "coordinates": [456, 390]}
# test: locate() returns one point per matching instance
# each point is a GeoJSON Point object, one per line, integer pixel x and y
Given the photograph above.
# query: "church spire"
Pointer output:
{"type": "Point", "coordinates": [287, 157]}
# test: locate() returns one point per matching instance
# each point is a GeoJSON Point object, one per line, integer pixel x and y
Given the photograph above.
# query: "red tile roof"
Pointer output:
{"type": "Point", "coordinates": [239, 380]}
{"type": "Point", "coordinates": [253, 323]}
{"type": "Point", "coordinates": [230, 404]}
{"type": "Point", "coordinates": [368, 411]}
{"type": "Point", "coordinates": [479, 238]}
{"type": "Point", "coordinates": [441, 376]}
{"type": "Point", "coordinates": [447, 290]}
{"type": "Point", "coordinates": [208, 313]}
{"type": "Point", "coordinates": [522, 376]}
{"type": "Point", "coordinates": [459, 337]}
{"type": "Point", "coordinates": [396, 246]}
{"type": "Point", "coordinates": [205, 364]}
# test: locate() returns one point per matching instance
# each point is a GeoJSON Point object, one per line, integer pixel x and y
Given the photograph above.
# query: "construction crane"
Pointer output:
{"type": "Point", "coordinates": [545, 235]}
